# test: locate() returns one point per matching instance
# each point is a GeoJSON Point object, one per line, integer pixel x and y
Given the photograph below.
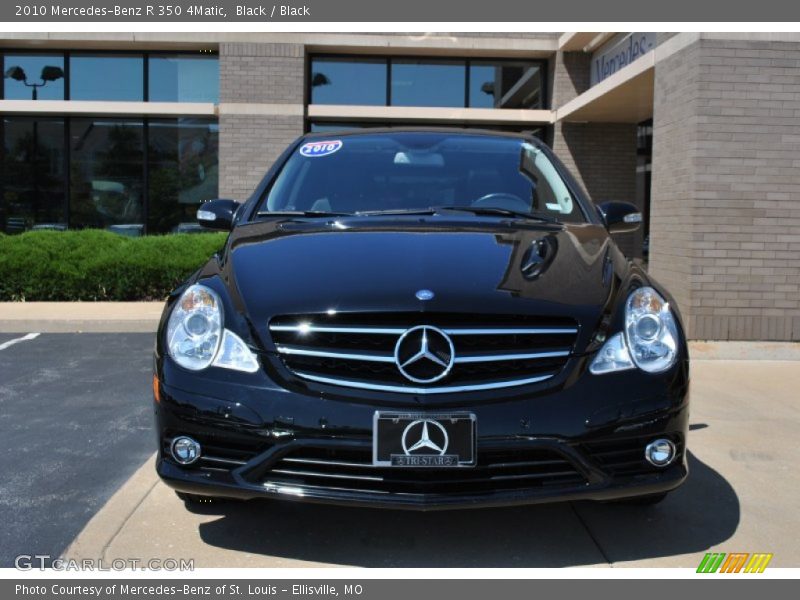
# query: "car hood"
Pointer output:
{"type": "Point", "coordinates": [473, 266]}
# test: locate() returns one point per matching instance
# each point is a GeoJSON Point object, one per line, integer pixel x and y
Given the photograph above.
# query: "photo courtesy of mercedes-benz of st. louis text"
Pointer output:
{"type": "Point", "coordinates": [422, 319]}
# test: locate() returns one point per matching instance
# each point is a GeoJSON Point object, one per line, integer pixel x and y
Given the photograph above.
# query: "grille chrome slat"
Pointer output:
{"type": "Point", "coordinates": [553, 475]}
{"type": "Point", "coordinates": [298, 351]}
{"type": "Point", "coordinates": [365, 465]}
{"type": "Point", "coordinates": [386, 358]}
{"type": "Point", "coordinates": [351, 470]}
{"type": "Point", "coordinates": [513, 331]}
{"type": "Point", "coordinates": [293, 473]}
{"type": "Point", "coordinates": [328, 463]}
{"type": "Point", "coordinates": [523, 464]}
{"type": "Point", "coordinates": [400, 330]}
{"type": "Point", "coordinates": [325, 329]}
{"type": "Point", "coordinates": [224, 461]}
{"type": "Point", "coordinates": [479, 358]}
{"type": "Point", "coordinates": [361, 350]}
{"type": "Point", "coordinates": [402, 389]}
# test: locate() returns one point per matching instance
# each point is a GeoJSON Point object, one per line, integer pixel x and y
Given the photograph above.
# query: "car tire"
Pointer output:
{"type": "Point", "coordinates": [649, 500]}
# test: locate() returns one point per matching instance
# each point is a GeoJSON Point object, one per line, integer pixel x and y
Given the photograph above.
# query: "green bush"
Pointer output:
{"type": "Point", "coordinates": [99, 265]}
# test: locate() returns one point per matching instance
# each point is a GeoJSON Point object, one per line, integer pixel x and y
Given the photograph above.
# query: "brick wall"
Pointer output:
{"type": "Point", "coordinates": [726, 187]}
{"type": "Point", "coordinates": [601, 156]}
{"type": "Point", "coordinates": [248, 146]}
{"type": "Point", "coordinates": [671, 192]}
{"type": "Point", "coordinates": [268, 73]}
{"type": "Point", "coordinates": [569, 78]}
{"type": "Point", "coordinates": [270, 76]}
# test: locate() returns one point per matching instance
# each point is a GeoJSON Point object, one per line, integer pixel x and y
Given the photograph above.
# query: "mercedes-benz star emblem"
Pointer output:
{"type": "Point", "coordinates": [424, 354]}
{"type": "Point", "coordinates": [434, 438]}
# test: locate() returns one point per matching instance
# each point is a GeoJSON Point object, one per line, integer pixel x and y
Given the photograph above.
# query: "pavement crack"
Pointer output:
{"type": "Point", "coordinates": [594, 539]}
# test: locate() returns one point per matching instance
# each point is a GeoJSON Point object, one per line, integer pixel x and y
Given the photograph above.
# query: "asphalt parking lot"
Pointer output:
{"type": "Point", "coordinates": [75, 423]}
{"type": "Point", "coordinates": [76, 456]}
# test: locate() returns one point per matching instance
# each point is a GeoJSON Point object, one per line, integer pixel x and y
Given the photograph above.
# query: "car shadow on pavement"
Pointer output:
{"type": "Point", "coordinates": [704, 512]}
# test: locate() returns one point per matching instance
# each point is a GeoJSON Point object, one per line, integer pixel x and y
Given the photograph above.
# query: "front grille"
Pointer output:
{"type": "Point", "coordinates": [352, 470]}
{"type": "Point", "coordinates": [358, 350]}
{"type": "Point", "coordinates": [625, 457]}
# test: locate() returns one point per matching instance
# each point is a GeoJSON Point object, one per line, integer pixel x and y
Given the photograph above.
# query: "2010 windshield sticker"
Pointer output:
{"type": "Point", "coordinates": [326, 148]}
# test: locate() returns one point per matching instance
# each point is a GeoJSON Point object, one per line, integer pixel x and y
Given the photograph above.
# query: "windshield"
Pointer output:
{"type": "Point", "coordinates": [418, 171]}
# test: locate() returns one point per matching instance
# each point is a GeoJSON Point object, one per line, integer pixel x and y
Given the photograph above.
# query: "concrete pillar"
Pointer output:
{"type": "Point", "coordinates": [262, 90]}
{"type": "Point", "coordinates": [725, 209]}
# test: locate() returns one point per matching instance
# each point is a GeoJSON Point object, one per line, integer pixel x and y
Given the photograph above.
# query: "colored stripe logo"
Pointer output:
{"type": "Point", "coordinates": [735, 562]}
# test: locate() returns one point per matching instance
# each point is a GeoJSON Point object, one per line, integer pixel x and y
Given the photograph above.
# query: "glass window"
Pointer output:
{"type": "Point", "coordinates": [33, 177]}
{"type": "Point", "coordinates": [420, 170]}
{"type": "Point", "coordinates": [106, 77]}
{"type": "Point", "coordinates": [34, 76]}
{"type": "Point", "coordinates": [106, 174]}
{"type": "Point", "coordinates": [505, 85]}
{"type": "Point", "coordinates": [183, 78]}
{"type": "Point", "coordinates": [183, 156]}
{"type": "Point", "coordinates": [359, 81]}
{"type": "Point", "coordinates": [428, 83]}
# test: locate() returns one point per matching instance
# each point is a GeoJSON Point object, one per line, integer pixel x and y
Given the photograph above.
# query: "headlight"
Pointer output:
{"type": "Point", "coordinates": [650, 331]}
{"type": "Point", "coordinates": [196, 338]}
{"type": "Point", "coordinates": [613, 356]}
{"type": "Point", "coordinates": [194, 331]}
{"type": "Point", "coordinates": [649, 341]}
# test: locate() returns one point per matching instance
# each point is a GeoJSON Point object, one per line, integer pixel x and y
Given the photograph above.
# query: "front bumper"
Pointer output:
{"type": "Point", "coordinates": [237, 483]}
{"type": "Point", "coordinates": [295, 447]}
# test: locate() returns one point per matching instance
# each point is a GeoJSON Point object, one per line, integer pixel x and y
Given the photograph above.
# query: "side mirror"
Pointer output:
{"type": "Point", "coordinates": [217, 214]}
{"type": "Point", "coordinates": [620, 217]}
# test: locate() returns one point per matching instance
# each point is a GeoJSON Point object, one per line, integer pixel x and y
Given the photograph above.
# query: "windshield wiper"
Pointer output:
{"type": "Point", "coordinates": [395, 211]}
{"type": "Point", "coordinates": [300, 213]}
{"type": "Point", "coordinates": [507, 212]}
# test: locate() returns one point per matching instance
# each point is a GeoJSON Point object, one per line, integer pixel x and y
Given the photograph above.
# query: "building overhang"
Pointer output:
{"type": "Point", "coordinates": [437, 44]}
{"type": "Point", "coordinates": [624, 97]}
{"type": "Point", "coordinates": [107, 108]}
{"type": "Point", "coordinates": [582, 41]}
{"type": "Point", "coordinates": [408, 114]}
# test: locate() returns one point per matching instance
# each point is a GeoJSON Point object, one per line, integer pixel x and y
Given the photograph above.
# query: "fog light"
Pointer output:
{"type": "Point", "coordinates": [660, 452]}
{"type": "Point", "coordinates": [185, 450]}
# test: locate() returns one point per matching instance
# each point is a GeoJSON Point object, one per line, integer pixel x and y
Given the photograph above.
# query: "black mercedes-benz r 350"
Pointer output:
{"type": "Point", "coordinates": [421, 319]}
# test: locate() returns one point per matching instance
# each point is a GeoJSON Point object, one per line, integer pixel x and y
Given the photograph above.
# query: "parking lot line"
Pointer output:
{"type": "Point", "coordinates": [24, 338]}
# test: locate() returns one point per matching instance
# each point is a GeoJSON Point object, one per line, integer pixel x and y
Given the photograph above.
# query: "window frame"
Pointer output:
{"type": "Point", "coordinates": [68, 54]}
{"type": "Point", "coordinates": [67, 158]}
{"type": "Point", "coordinates": [32, 52]}
{"type": "Point", "coordinates": [389, 58]}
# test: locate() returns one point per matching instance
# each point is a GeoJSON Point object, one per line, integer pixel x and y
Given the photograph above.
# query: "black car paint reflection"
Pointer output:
{"type": "Point", "coordinates": [277, 433]}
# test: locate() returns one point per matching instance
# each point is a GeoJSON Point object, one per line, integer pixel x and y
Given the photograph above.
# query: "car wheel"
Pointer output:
{"type": "Point", "coordinates": [649, 500]}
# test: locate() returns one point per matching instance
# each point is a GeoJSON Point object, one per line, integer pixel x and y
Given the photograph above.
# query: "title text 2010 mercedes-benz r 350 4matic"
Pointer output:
{"type": "Point", "coordinates": [421, 319]}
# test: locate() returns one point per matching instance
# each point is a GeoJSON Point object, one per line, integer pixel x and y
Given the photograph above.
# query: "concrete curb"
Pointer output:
{"type": "Point", "coordinates": [76, 317]}
{"type": "Point", "coordinates": [93, 541]}
{"type": "Point", "coordinates": [712, 350]}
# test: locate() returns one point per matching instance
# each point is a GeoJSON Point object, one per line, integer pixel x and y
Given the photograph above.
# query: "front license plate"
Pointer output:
{"type": "Point", "coordinates": [423, 440]}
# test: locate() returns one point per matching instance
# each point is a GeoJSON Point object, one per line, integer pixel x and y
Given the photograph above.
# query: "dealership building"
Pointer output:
{"type": "Point", "coordinates": [130, 132]}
